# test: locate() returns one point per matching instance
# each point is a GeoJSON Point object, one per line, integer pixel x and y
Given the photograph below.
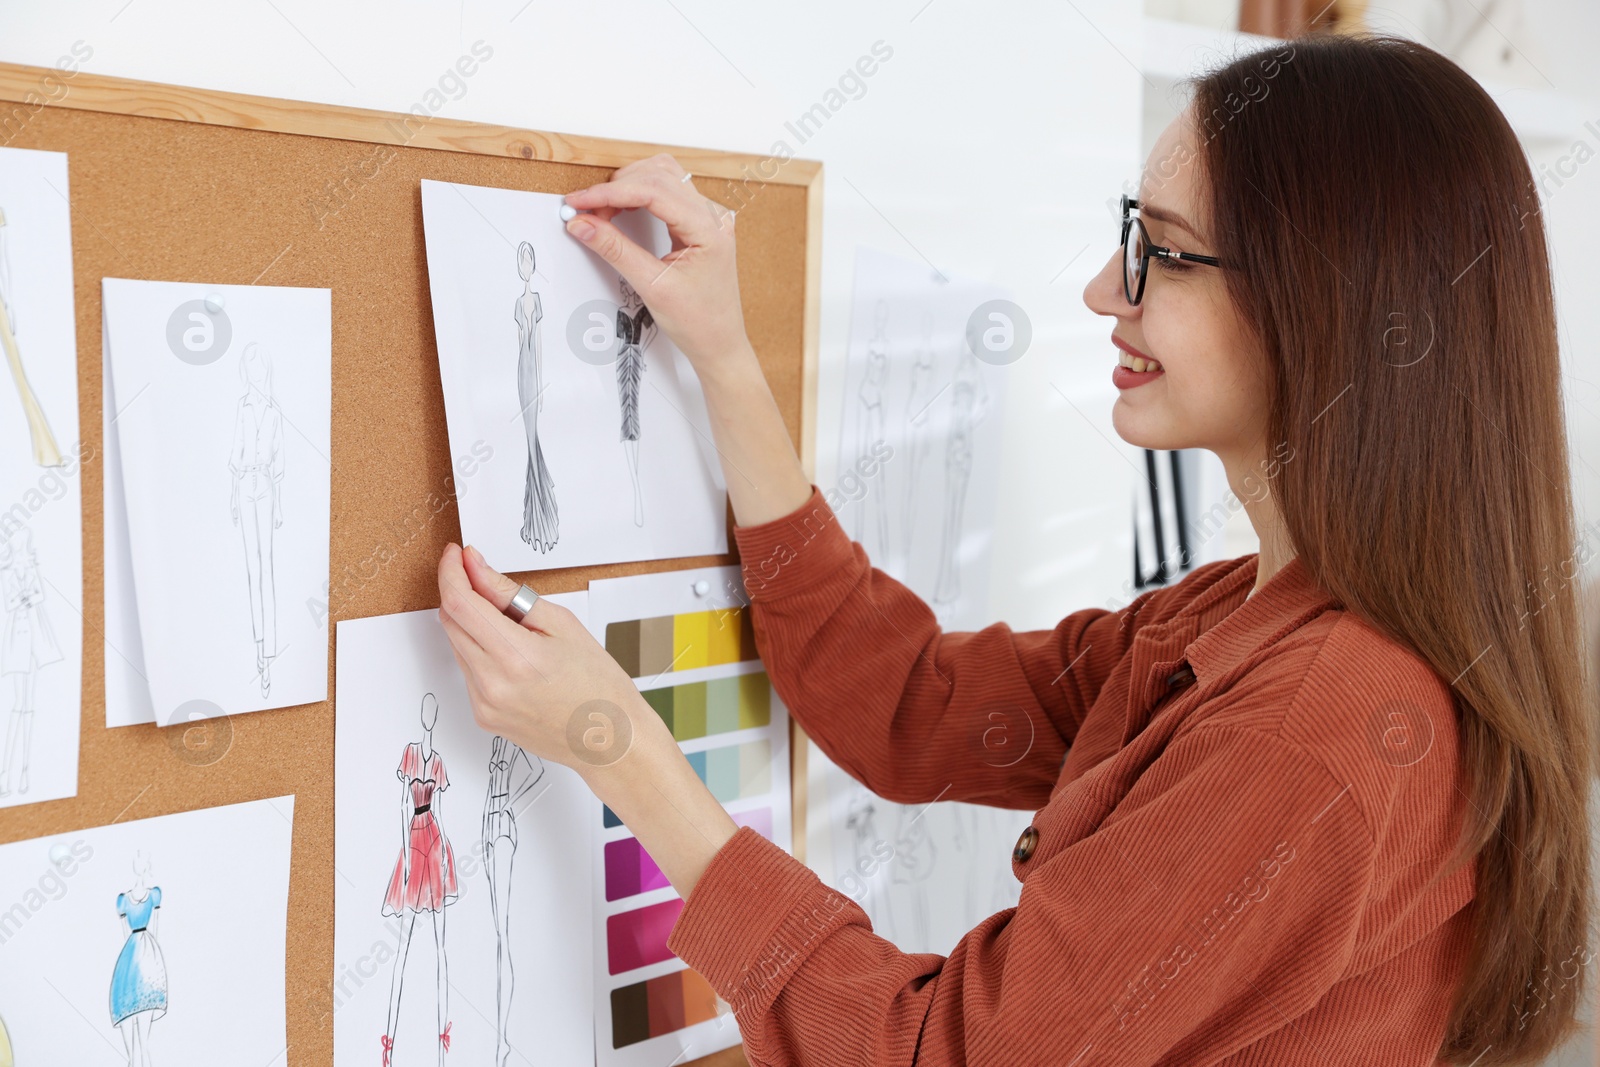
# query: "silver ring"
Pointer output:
{"type": "Point", "coordinates": [521, 604]}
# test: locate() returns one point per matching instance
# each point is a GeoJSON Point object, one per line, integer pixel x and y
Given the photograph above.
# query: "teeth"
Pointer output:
{"type": "Point", "coordinates": [1136, 364]}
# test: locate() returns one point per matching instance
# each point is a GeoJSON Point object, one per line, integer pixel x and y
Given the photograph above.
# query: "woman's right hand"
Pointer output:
{"type": "Point", "coordinates": [692, 291]}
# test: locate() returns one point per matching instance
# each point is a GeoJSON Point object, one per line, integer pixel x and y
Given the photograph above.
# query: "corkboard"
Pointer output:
{"type": "Point", "coordinates": [181, 184]}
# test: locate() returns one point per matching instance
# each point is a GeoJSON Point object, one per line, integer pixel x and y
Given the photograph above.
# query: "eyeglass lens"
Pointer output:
{"type": "Point", "coordinates": [1133, 260]}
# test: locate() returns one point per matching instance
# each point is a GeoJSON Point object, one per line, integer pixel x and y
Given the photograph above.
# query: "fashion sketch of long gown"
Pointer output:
{"type": "Point", "coordinates": [968, 404]}
{"type": "Point", "coordinates": [45, 452]}
{"type": "Point", "coordinates": [139, 977]}
{"type": "Point", "coordinates": [28, 644]}
{"type": "Point", "coordinates": [873, 516]}
{"type": "Point", "coordinates": [512, 773]}
{"type": "Point", "coordinates": [256, 463]}
{"type": "Point", "coordinates": [424, 877]}
{"type": "Point", "coordinates": [635, 329]}
{"type": "Point", "coordinates": [539, 514]}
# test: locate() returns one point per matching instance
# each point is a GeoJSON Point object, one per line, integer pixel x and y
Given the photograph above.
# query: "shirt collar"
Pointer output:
{"type": "Point", "coordinates": [1231, 628]}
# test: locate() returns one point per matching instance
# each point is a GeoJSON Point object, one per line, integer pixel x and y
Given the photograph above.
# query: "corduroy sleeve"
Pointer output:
{"type": "Point", "coordinates": [1219, 901]}
{"type": "Point", "coordinates": [912, 712]}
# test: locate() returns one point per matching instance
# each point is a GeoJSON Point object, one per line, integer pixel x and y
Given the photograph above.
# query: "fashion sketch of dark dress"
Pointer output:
{"type": "Point", "coordinates": [539, 515]}
{"type": "Point", "coordinates": [635, 326]}
{"type": "Point", "coordinates": [27, 644]}
{"type": "Point", "coordinates": [256, 462]}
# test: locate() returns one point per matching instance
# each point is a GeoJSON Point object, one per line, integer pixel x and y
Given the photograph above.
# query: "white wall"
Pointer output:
{"type": "Point", "coordinates": [986, 144]}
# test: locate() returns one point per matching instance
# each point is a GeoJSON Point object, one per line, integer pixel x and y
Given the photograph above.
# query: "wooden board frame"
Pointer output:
{"type": "Point", "coordinates": [138, 772]}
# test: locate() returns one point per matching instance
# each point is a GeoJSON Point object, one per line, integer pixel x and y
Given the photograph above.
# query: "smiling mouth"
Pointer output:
{"type": "Point", "coordinates": [1137, 364]}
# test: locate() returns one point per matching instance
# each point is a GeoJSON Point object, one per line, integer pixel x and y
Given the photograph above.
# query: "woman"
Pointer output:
{"type": "Point", "coordinates": [1321, 804]}
{"type": "Point", "coordinates": [139, 978]}
{"type": "Point", "coordinates": [256, 461]}
{"type": "Point", "coordinates": [424, 876]}
{"type": "Point", "coordinates": [540, 518]}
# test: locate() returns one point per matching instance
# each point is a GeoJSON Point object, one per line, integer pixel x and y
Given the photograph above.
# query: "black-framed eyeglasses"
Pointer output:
{"type": "Point", "coordinates": [1137, 252]}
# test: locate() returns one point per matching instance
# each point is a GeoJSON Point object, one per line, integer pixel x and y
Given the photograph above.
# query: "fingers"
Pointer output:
{"type": "Point", "coordinates": [498, 590]}
{"type": "Point", "coordinates": [618, 249]}
{"type": "Point", "coordinates": [481, 620]}
{"type": "Point", "coordinates": [656, 184]}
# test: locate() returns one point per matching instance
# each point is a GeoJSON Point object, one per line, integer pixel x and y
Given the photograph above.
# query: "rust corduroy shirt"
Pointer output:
{"type": "Point", "coordinates": [1238, 867]}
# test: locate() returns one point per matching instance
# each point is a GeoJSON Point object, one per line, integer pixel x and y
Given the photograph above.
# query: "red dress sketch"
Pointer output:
{"type": "Point", "coordinates": [431, 881]}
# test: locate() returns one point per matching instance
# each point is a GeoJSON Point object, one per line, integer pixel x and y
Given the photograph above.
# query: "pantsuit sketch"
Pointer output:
{"type": "Point", "coordinates": [512, 773]}
{"type": "Point", "coordinates": [968, 404]}
{"type": "Point", "coordinates": [256, 463]}
{"type": "Point", "coordinates": [873, 516]}
{"type": "Point", "coordinates": [28, 644]}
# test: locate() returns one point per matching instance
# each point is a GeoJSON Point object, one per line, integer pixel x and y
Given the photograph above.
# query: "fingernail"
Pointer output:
{"type": "Point", "coordinates": [581, 228]}
{"type": "Point", "coordinates": [475, 553]}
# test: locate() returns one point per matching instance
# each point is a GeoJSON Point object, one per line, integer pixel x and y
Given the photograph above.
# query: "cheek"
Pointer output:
{"type": "Point", "coordinates": [1212, 392]}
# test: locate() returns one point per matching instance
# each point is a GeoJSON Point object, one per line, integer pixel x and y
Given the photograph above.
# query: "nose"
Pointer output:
{"type": "Point", "coordinates": [1104, 296]}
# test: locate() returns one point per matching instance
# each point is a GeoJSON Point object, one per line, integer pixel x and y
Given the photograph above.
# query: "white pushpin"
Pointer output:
{"type": "Point", "coordinates": [568, 212]}
{"type": "Point", "coordinates": [215, 302]}
{"type": "Point", "coordinates": [702, 587]}
{"type": "Point", "coordinates": [60, 854]}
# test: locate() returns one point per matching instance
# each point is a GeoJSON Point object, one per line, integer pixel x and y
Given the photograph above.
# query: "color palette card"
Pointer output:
{"type": "Point", "coordinates": [685, 639]}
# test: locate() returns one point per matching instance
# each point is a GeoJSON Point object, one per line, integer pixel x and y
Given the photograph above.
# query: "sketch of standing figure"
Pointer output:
{"type": "Point", "coordinates": [256, 462]}
{"type": "Point", "coordinates": [424, 878]}
{"type": "Point", "coordinates": [45, 452]}
{"type": "Point", "coordinates": [539, 518]}
{"type": "Point", "coordinates": [511, 775]}
{"type": "Point", "coordinates": [919, 398]}
{"type": "Point", "coordinates": [914, 856]}
{"type": "Point", "coordinates": [874, 516]}
{"type": "Point", "coordinates": [869, 851]}
{"type": "Point", "coordinates": [29, 643]}
{"type": "Point", "coordinates": [968, 403]}
{"type": "Point", "coordinates": [139, 979]}
{"type": "Point", "coordinates": [636, 328]}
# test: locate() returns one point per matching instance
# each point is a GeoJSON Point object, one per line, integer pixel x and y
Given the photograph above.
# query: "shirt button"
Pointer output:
{"type": "Point", "coordinates": [1025, 845]}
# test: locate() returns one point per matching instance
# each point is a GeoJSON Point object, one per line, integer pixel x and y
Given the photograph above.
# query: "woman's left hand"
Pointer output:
{"type": "Point", "coordinates": [546, 683]}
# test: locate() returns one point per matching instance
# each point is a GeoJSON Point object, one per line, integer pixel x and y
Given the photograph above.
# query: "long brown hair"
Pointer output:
{"type": "Point", "coordinates": [1384, 243]}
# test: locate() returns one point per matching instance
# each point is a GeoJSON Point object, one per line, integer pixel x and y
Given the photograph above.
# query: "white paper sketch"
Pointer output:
{"type": "Point", "coordinates": [591, 370]}
{"type": "Point", "coordinates": [424, 878]}
{"type": "Point", "coordinates": [925, 874]}
{"type": "Point", "coordinates": [512, 775]}
{"type": "Point", "coordinates": [920, 436]}
{"type": "Point", "coordinates": [220, 400]}
{"type": "Point", "coordinates": [41, 457]}
{"type": "Point", "coordinates": [29, 643]}
{"type": "Point", "coordinates": [45, 451]}
{"type": "Point", "coordinates": [425, 944]}
{"type": "Point", "coordinates": [540, 516]}
{"type": "Point", "coordinates": [155, 942]}
{"type": "Point", "coordinates": [256, 461]}
{"type": "Point", "coordinates": [139, 977]}
{"type": "Point", "coordinates": [635, 330]}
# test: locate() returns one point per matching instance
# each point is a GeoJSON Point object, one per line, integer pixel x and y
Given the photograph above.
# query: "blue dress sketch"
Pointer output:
{"type": "Point", "coordinates": [139, 979]}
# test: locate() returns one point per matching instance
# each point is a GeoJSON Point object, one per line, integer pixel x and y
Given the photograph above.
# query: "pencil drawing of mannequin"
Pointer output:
{"type": "Point", "coordinates": [968, 402]}
{"type": "Point", "coordinates": [868, 850]}
{"type": "Point", "coordinates": [45, 452]}
{"type": "Point", "coordinates": [539, 518]}
{"type": "Point", "coordinates": [424, 878]}
{"type": "Point", "coordinates": [29, 644]}
{"type": "Point", "coordinates": [924, 390]}
{"type": "Point", "coordinates": [139, 977]}
{"type": "Point", "coordinates": [635, 330]}
{"type": "Point", "coordinates": [512, 773]}
{"type": "Point", "coordinates": [257, 465]}
{"type": "Point", "coordinates": [873, 517]}
{"type": "Point", "coordinates": [914, 855]}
